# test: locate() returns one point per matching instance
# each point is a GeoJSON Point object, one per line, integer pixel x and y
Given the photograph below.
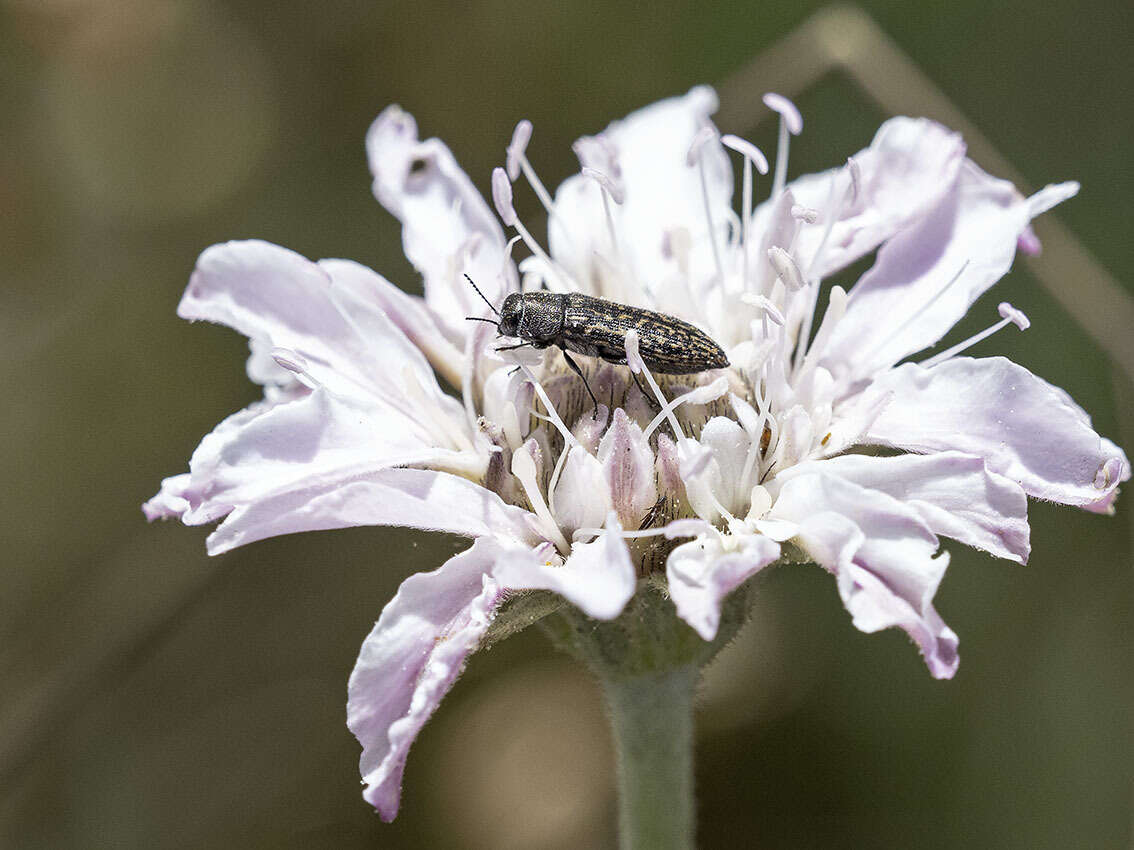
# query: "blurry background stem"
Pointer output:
{"type": "Point", "coordinates": [651, 717]}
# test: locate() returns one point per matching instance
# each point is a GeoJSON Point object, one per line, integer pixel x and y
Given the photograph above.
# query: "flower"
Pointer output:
{"type": "Point", "coordinates": [822, 441]}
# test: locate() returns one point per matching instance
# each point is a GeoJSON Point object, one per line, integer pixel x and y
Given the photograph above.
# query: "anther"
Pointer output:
{"type": "Point", "coordinates": [786, 268]}
{"type": "Point", "coordinates": [612, 188]}
{"type": "Point", "coordinates": [1016, 317]}
{"type": "Point", "coordinates": [746, 149]}
{"type": "Point", "coordinates": [502, 197]}
{"type": "Point", "coordinates": [855, 177]}
{"type": "Point", "coordinates": [700, 139]}
{"type": "Point", "coordinates": [287, 359]}
{"type": "Point", "coordinates": [807, 215]}
{"type": "Point", "coordinates": [517, 147]}
{"type": "Point", "coordinates": [1011, 315]}
{"type": "Point", "coordinates": [788, 111]}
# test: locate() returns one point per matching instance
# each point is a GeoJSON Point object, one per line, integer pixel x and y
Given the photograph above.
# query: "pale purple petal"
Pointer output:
{"type": "Point", "coordinates": [305, 441]}
{"type": "Point", "coordinates": [170, 501]}
{"type": "Point", "coordinates": [628, 466]}
{"type": "Point", "coordinates": [327, 313]}
{"type": "Point", "coordinates": [410, 660]}
{"type": "Point", "coordinates": [909, 165]}
{"type": "Point", "coordinates": [598, 578]}
{"type": "Point", "coordinates": [1003, 413]}
{"type": "Point", "coordinates": [414, 498]}
{"type": "Point", "coordinates": [927, 277]}
{"type": "Point", "coordinates": [447, 228]}
{"type": "Point", "coordinates": [882, 554]}
{"type": "Point", "coordinates": [408, 313]}
{"type": "Point", "coordinates": [953, 493]}
{"type": "Point", "coordinates": [701, 573]}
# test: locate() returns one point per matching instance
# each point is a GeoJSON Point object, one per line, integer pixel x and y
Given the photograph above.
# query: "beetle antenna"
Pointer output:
{"type": "Point", "coordinates": [479, 319]}
{"type": "Point", "coordinates": [481, 294]}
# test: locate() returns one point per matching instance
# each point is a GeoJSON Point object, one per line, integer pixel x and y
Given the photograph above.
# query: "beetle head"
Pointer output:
{"type": "Point", "coordinates": [510, 314]}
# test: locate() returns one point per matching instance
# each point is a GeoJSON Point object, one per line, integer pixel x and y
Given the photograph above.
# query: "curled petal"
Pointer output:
{"type": "Point", "coordinates": [882, 555]}
{"type": "Point", "coordinates": [447, 228]}
{"type": "Point", "coordinates": [409, 661]}
{"type": "Point", "coordinates": [999, 411]}
{"type": "Point", "coordinates": [909, 165]}
{"type": "Point", "coordinates": [701, 573]}
{"type": "Point", "coordinates": [953, 493]}
{"type": "Point", "coordinates": [928, 276]}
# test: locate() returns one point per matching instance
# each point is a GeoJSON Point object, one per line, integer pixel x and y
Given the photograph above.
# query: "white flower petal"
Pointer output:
{"type": "Point", "coordinates": [952, 492]}
{"type": "Point", "coordinates": [598, 578]}
{"type": "Point", "coordinates": [414, 498]}
{"type": "Point", "coordinates": [927, 277]}
{"type": "Point", "coordinates": [909, 165]}
{"type": "Point", "coordinates": [882, 554]}
{"type": "Point", "coordinates": [409, 661]}
{"type": "Point", "coordinates": [1003, 413]}
{"type": "Point", "coordinates": [281, 299]}
{"type": "Point", "coordinates": [447, 228]}
{"type": "Point", "coordinates": [408, 313]}
{"type": "Point", "coordinates": [701, 573]}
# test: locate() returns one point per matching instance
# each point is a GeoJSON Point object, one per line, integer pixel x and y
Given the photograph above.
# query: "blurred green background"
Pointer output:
{"type": "Point", "coordinates": [153, 697]}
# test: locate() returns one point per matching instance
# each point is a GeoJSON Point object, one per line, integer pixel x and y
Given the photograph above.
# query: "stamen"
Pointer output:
{"type": "Point", "coordinates": [1011, 315]}
{"type": "Point", "coordinates": [917, 313]}
{"type": "Point", "coordinates": [834, 212]}
{"type": "Point", "coordinates": [766, 305]}
{"type": "Point", "coordinates": [568, 437]}
{"type": "Point", "coordinates": [836, 307]}
{"type": "Point", "coordinates": [751, 154]}
{"type": "Point", "coordinates": [638, 366]}
{"type": "Point", "coordinates": [625, 535]}
{"type": "Point", "coordinates": [502, 198]}
{"type": "Point", "coordinates": [791, 122]}
{"type": "Point", "coordinates": [524, 469]}
{"type": "Point", "coordinates": [609, 192]}
{"type": "Point", "coordinates": [697, 395]}
{"type": "Point", "coordinates": [705, 135]}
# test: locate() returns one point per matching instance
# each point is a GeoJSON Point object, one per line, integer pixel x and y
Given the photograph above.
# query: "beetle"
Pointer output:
{"type": "Point", "coordinates": [596, 327]}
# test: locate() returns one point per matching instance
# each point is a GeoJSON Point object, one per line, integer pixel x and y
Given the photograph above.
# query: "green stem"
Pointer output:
{"type": "Point", "coordinates": [652, 718]}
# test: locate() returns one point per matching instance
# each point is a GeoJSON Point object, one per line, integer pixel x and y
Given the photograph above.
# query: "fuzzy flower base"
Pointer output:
{"type": "Point", "coordinates": [822, 440]}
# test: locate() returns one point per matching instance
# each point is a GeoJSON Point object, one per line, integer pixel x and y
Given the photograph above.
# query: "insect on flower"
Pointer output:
{"type": "Point", "coordinates": [596, 327]}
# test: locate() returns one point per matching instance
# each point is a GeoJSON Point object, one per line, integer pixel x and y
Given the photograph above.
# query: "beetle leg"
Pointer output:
{"type": "Point", "coordinates": [650, 400]}
{"type": "Point", "coordinates": [575, 368]}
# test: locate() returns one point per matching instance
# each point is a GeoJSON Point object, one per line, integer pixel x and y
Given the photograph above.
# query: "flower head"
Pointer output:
{"type": "Point", "coordinates": [822, 440]}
